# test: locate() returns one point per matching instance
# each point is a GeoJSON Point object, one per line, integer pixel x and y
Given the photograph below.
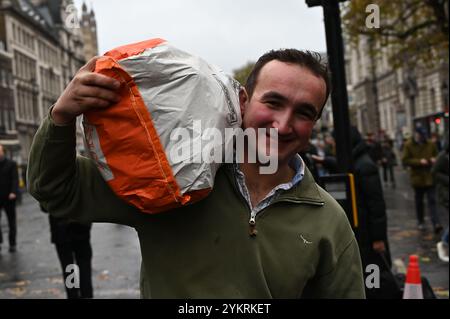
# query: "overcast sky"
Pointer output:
{"type": "Point", "coordinates": [227, 33]}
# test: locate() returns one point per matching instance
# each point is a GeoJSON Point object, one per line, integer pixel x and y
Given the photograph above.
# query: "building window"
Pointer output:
{"type": "Point", "coordinates": [32, 43]}
{"type": "Point", "coordinates": [12, 120]}
{"type": "Point", "coordinates": [18, 65]}
{"type": "Point", "coordinates": [10, 80]}
{"type": "Point", "coordinates": [25, 106]}
{"type": "Point", "coordinates": [6, 120]}
{"type": "Point", "coordinates": [2, 119]}
{"type": "Point", "coordinates": [14, 31]}
{"type": "Point", "coordinates": [20, 104]}
{"type": "Point", "coordinates": [35, 108]}
{"type": "Point", "coordinates": [39, 49]}
{"type": "Point", "coordinates": [2, 78]}
{"type": "Point", "coordinates": [434, 107]}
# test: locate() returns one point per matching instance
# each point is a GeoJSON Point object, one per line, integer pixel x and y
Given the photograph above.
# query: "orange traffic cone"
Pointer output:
{"type": "Point", "coordinates": [413, 283]}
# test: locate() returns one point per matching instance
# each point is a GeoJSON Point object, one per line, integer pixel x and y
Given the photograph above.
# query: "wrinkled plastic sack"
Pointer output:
{"type": "Point", "coordinates": [163, 88]}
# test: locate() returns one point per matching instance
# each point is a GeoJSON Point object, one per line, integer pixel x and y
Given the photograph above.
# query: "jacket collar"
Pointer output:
{"type": "Point", "coordinates": [305, 192]}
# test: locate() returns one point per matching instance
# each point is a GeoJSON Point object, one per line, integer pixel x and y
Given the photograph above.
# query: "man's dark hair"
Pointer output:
{"type": "Point", "coordinates": [312, 61]}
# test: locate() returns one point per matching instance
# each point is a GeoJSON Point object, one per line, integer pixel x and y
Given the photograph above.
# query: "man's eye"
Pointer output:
{"type": "Point", "coordinates": [305, 116]}
{"type": "Point", "coordinates": [273, 104]}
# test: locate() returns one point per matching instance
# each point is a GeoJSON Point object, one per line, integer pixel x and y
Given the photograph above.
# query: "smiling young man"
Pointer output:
{"type": "Point", "coordinates": [255, 236]}
{"type": "Point", "coordinates": [289, 98]}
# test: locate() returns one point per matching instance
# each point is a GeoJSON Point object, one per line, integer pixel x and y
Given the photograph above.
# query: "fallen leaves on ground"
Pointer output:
{"type": "Point", "coordinates": [54, 280]}
{"type": "Point", "coordinates": [51, 292]}
{"type": "Point", "coordinates": [441, 292]}
{"type": "Point", "coordinates": [23, 283]}
{"type": "Point", "coordinates": [17, 292]}
{"type": "Point", "coordinates": [429, 237]}
{"type": "Point", "coordinates": [104, 275]}
{"type": "Point", "coordinates": [425, 259]}
{"type": "Point", "coordinates": [405, 234]}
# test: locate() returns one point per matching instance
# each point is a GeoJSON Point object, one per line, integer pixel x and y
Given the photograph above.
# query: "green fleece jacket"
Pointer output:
{"type": "Point", "coordinates": [413, 152]}
{"type": "Point", "coordinates": [304, 245]}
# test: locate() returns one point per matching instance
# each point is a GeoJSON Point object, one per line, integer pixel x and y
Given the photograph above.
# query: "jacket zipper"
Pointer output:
{"type": "Point", "coordinates": [252, 222]}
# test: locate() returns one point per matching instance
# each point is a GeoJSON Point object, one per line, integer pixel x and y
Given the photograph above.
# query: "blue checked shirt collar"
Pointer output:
{"type": "Point", "coordinates": [296, 163]}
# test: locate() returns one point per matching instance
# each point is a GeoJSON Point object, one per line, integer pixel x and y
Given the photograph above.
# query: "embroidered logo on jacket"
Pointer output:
{"type": "Point", "coordinates": [305, 241]}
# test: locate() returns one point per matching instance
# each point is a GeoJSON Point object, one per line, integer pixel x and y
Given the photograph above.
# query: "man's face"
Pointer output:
{"type": "Point", "coordinates": [418, 137]}
{"type": "Point", "coordinates": [287, 97]}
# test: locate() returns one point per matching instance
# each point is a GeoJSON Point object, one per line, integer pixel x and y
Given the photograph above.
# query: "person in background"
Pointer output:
{"type": "Point", "coordinates": [330, 145]}
{"type": "Point", "coordinates": [388, 161]}
{"type": "Point", "coordinates": [437, 141]}
{"type": "Point", "coordinates": [9, 188]}
{"type": "Point", "coordinates": [307, 155]}
{"type": "Point", "coordinates": [374, 148]}
{"type": "Point", "coordinates": [73, 247]}
{"type": "Point", "coordinates": [419, 155]}
{"type": "Point", "coordinates": [373, 239]}
{"type": "Point", "coordinates": [328, 160]}
{"type": "Point", "coordinates": [440, 174]}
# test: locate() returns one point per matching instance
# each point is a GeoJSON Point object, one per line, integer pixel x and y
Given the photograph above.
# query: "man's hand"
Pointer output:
{"type": "Point", "coordinates": [379, 246]}
{"type": "Point", "coordinates": [86, 90]}
{"type": "Point", "coordinates": [424, 162]}
{"type": "Point", "coordinates": [433, 160]}
{"type": "Point", "coordinates": [12, 196]}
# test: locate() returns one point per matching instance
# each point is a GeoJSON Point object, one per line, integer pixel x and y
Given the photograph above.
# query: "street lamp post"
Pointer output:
{"type": "Point", "coordinates": [339, 97]}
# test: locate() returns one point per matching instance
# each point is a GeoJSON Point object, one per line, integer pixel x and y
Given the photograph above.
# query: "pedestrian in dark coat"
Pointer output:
{"type": "Point", "coordinates": [306, 155]}
{"type": "Point", "coordinates": [374, 148]}
{"type": "Point", "coordinates": [9, 189]}
{"type": "Point", "coordinates": [441, 177]}
{"type": "Point", "coordinates": [419, 155]}
{"type": "Point", "coordinates": [372, 231]}
{"type": "Point", "coordinates": [72, 243]}
{"type": "Point", "coordinates": [388, 161]}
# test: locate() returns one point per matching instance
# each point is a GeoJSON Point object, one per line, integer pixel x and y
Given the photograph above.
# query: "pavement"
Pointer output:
{"type": "Point", "coordinates": [405, 239]}
{"type": "Point", "coordinates": [33, 272]}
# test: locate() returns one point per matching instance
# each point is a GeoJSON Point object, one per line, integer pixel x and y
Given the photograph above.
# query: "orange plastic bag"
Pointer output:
{"type": "Point", "coordinates": [163, 89]}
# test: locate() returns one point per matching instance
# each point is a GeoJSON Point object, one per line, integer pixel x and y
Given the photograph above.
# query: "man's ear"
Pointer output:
{"type": "Point", "coordinates": [243, 100]}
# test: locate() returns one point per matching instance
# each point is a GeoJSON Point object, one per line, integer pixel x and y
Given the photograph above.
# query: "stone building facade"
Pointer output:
{"type": "Point", "coordinates": [391, 102]}
{"type": "Point", "coordinates": [44, 41]}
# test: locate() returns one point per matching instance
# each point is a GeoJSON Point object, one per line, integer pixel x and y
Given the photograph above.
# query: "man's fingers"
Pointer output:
{"type": "Point", "coordinates": [90, 65]}
{"type": "Point", "coordinates": [99, 92]}
{"type": "Point", "coordinates": [94, 102]}
{"type": "Point", "coordinates": [95, 79]}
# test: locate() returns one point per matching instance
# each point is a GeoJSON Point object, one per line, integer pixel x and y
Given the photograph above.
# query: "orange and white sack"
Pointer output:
{"type": "Point", "coordinates": [163, 88]}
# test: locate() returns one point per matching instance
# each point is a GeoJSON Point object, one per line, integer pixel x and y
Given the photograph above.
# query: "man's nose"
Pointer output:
{"type": "Point", "coordinates": [283, 123]}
